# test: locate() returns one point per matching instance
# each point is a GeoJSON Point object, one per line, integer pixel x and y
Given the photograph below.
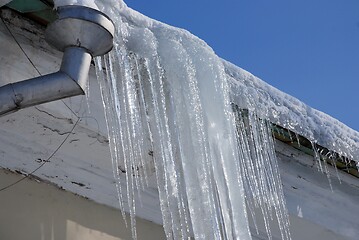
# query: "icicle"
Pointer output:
{"type": "Point", "coordinates": [331, 156]}
{"type": "Point", "coordinates": [298, 140]}
{"type": "Point", "coordinates": [317, 157]}
{"type": "Point", "coordinates": [112, 132]}
{"type": "Point", "coordinates": [260, 170]}
{"type": "Point", "coordinates": [322, 165]}
{"type": "Point", "coordinates": [87, 96]}
{"type": "Point", "coordinates": [166, 98]}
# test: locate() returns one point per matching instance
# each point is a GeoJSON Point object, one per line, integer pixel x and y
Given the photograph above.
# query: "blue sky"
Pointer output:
{"type": "Point", "coordinates": [308, 48]}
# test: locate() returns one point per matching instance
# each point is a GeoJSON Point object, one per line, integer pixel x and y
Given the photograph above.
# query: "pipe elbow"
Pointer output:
{"type": "Point", "coordinates": [75, 64]}
{"type": "Point", "coordinates": [70, 81]}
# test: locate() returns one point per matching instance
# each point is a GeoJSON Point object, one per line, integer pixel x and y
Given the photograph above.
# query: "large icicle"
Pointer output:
{"type": "Point", "coordinates": [167, 105]}
{"type": "Point", "coordinates": [194, 144]}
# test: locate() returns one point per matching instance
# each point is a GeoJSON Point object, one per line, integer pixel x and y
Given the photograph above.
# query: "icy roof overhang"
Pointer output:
{"type": "Point", "coordinates": [82, 166]}
{"type": "Point", "coordinates": [291, 118]}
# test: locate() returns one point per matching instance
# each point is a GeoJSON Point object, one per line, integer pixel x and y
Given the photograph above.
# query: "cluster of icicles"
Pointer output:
{"type": "Point", "coordinates": [167, 107]}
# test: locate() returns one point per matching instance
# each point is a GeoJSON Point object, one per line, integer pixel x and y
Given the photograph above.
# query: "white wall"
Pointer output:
{"type": "Point", "coordinates": [35, 210]}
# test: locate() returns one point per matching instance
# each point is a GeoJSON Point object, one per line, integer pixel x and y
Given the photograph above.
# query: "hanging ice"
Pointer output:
{"type": "Point", "coordinates": [175, 108]}
{"type": "Point", "coordinates": [166, 94]}
{"type": "Point", "coordinates": [171, 93]}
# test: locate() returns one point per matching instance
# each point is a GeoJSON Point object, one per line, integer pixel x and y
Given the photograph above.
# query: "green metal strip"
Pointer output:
{"type": "Point", "coordinates": [304, 145]}
{"type": "Point", "coordinates": [38, 10]}
{"type": "Point", "coordinates": [47, 16]}
{"type": "Point", "coordinates": [26, 6]}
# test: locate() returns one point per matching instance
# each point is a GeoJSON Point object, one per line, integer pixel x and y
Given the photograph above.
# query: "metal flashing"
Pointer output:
{"type": "Point", "coordinates": [39, 10]}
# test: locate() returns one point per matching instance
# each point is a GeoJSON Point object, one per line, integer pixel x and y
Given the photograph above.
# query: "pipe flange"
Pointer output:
{"type": "Point", "coordinates": [81, 27]}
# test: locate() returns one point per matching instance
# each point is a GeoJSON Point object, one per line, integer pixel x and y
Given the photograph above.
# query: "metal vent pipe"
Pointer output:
{"type": "Point", "coordinates": [81, 33]}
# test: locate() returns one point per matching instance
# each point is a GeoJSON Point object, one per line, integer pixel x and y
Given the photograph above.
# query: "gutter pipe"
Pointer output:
{"type": "Point", "coordinates": [81, 33]}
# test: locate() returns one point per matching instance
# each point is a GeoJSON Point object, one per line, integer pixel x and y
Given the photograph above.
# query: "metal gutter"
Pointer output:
{"type": "Point", "coordinates": [304, 145]}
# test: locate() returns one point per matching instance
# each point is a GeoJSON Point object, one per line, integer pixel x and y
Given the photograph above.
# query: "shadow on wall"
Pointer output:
{"type": "Point", "coordinates": [33, 211]}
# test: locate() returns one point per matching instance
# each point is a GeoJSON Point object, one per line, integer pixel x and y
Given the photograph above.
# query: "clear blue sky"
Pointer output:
{"type": "Point", "coordinates": [306, 48]}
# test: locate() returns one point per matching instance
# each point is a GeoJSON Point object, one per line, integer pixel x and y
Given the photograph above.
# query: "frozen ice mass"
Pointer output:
{"type": "Point", "coordinates": [199, 125]}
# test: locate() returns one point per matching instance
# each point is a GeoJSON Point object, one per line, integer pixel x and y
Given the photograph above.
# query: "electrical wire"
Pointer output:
{"type": "Point", "coordinates": [45, 161]}
{"type": "Point", "coordinates": [17, 42]}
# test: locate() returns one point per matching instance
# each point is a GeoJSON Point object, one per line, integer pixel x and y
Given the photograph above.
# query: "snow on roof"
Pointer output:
{"type": "Point", "coordinates": [280, 108]}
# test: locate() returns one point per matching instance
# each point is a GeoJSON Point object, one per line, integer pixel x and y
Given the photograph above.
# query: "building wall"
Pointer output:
{"type": "Point", "coordinates": [34, 210]}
